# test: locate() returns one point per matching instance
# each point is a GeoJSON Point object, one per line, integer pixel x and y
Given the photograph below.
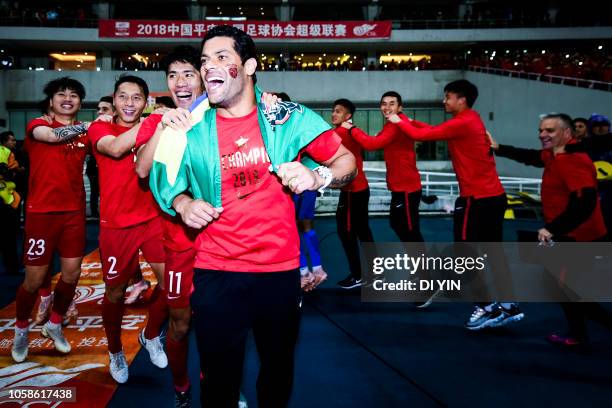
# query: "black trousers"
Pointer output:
{"type": "Point", "coordinates": [226, 305]}
{"type": "Point", "coordinates": [404, 215]}
{"type": "Point", "coordinates": [479, 219]}
{"type": "Point", "coordinates": [9, 223]}
{"type": "Point", "coordinates": [353, 225]}
{"type": "Point", "coordinates": [482, 220]}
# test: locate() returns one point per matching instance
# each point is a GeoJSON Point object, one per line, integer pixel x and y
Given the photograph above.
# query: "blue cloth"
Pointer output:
{"type": "Point", "coordinates": [312, 243]}
{"type": "Point", "coordinates": [305, 205]}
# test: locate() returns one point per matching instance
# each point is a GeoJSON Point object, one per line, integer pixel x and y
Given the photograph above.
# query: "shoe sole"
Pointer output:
{"type": "Point", "coordinates": [507, 320]}
{"type": "Point", "coordinates": [352, 286]}
{"type": "Point", "coordinates": [44, 333]}
{"type": "Point", "coordinates": [18, 360]}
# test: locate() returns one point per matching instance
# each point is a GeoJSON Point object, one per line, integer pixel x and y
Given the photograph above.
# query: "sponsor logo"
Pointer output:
{"type": "Point", "coordinates": [364, 30]}
{"type": "Point", "coordinates": [122, 28]}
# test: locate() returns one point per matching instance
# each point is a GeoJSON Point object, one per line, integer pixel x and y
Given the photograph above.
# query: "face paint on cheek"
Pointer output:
{"type": "Point", "coordinates": [233, 70]}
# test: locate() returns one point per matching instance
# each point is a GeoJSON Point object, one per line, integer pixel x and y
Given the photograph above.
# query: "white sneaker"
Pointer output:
{"type": "Point", "coordinates": [118, 367]}
{"type": "Point", "coordinates": [71, 313]}
{"type": "Point", "coordinates": [54, 332]}
{"type": "Point", "coordinates": [44, 307]}
{"type": "Point", "coordinates": [155, 349]}
{"type": "Point", "coordinates": [19, 351]}
{"type": "Point", "coordinates": [137, 290]}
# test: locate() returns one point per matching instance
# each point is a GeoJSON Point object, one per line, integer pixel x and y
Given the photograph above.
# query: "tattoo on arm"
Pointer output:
{"type": "Point", "coordinates": [343, 181]}
{"type": "Point", "coordinates": [66, 133]}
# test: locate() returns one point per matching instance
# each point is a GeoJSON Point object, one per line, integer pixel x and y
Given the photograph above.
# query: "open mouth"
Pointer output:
{"type": "Point", "coordinates": [184, 95]}
{"type": "Point", "coordinates": [213, 82]}
{"type": "Point", "coordinates": [129, 112]}
{"type": "Point", "coordinates": [67, 106]}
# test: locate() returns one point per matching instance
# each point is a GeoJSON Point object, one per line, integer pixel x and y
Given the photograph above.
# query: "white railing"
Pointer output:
{"type": "Point", "coordinates": [439, 183]}
{"type": "Point", "coordinates": [555, 79]}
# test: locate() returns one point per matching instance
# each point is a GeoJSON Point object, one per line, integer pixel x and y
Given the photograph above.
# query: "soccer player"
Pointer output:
{"type": "Point", "coordinates": [352, 219]}
{"type": "Point", "coordinates": [479, 210]}
{"type": "Point", "coordinates": [241, 174]}
{"type": "Point", "coordinates": [571, 209]}
{"type": "Point", "coordinates": [403, 178]}
{"type": "Point", "coordinates": [182, 67]}
{"type": "Point", "coordinates": [55, 210]}
{"type": "Point", "coordinates": [129, 221]}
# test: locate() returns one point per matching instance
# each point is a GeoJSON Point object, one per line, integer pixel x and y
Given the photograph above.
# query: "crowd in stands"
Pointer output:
{"type": "Point", "coordinates": [15, 13]}
{"type": "Point", "coordinates": [595, 66]}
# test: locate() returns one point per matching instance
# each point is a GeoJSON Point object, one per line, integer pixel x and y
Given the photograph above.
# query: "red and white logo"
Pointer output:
{"type": "Point", "coordinates": [364, 29]}
{"type": "Point", "coordinates": [122, 28]}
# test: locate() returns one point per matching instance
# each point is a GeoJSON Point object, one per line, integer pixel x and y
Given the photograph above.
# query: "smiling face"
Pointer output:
{"type": "Point", "coordinates": [225, 76]}
{"type": "Point", "coordinates": [184, 83]}
{"type": "Point", "coordinates": [389, 105]}
{"type": "Point", "coordinates": [129, 101]}
{"type": "Point", "coordinates": [553, 135]}
{"type": "Point", "coordinates": [453, 103]}
{"type": "Point", "coordinates": [65, 102]}
{"type": "Point", "coordinates": [340, 114]}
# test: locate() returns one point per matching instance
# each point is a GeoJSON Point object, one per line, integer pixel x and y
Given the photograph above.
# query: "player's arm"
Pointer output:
{"type": "Point", "coordinates": [382, 139]}
{"type": "Point", "coordinates": [530, 157]}
{"type": "Point", "coordinates": [177, 119]}
{"type": "Point", "coordinates": [58, 135]}
{"type": "Point", "coordinates": [118, 146]}
{"type": "Point", "coordinates": [444, 131]}
{"type": "Point", "coordinates": [341, 164]}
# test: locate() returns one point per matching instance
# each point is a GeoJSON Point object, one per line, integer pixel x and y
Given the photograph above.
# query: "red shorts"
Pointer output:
{"type": "Point", "coordinates": [47, 232]}
{"type": "Point", "coordinates": [178, 276]}
{"type": "Point", "coordinates": [119, 249]}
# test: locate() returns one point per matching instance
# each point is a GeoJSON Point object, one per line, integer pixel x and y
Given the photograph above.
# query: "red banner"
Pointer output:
{"type": "Point", "coordinates": [287, 30]}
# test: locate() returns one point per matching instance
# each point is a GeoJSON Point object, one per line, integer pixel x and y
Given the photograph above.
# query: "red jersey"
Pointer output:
{"type": "Point", "coordinates": [177, 236]}
{"type": "Point", "coordinates": [564, 174]}
{"type": "Point", "coordinates": [470, 152]}
{"type": "Point", "coordinates": [400, 158]}
{"type": "Point", "coordinates": [56, 171]}
{"type": "Point", "coordinates": [147, 129]}
{"type": "Point", "coordinates": [125, 200]}
{"type": "Point", "coordinates": [256, 232]}
{"type": "Point", "coordinates": [360, 182]}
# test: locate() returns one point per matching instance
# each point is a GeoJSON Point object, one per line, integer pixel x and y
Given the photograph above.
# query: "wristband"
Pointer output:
{"type": "Point", "coordinates": [326, 174]}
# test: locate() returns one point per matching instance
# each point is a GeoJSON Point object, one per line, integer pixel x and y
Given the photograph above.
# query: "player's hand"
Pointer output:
{"type": "Point", "coordinates": [347, 125]}
{"type": "Point", "coordinates": [307, 282]}
{"type": "Point", "coordinates": [197, 213]}
{"type": "Point", "coordinates": [160, 111]}
{"type": "Point", "coordinates": [492, 141]}
{"type": "Point", "coordinates": [320, 276]}
{"type": "Point", "coordinates": [48, 117]}
{"type": "Point", "coordinates": [103, 118]}
{"type": "Point", "coordinates": [177, 119]}
{"type": "Point", "coordinates": [394, 118]}
{"type": "Point", "coordinates": [269, 100]}
{"type": "Point", "coordinates": [298, 177]}
{"type": "Point", "coordinates": [544, 235]}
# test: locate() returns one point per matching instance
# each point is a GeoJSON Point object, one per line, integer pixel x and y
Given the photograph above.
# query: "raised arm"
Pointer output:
{"type": "Point", "coordinates": [58, 135]}
{"type": "Point", "coordinates": [382, 139]}
{"type": "Point", "coordinates": [530, 157]}
{"type": "Point", "coordinates": [118, 146]}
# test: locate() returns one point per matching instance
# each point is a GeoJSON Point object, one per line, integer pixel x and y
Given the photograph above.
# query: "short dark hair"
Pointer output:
{"type": "Point", "coordinates": [4, 136]}
{"type": "Point", "coordinates": [565, 119]}
{"type": "Point", "coordinates": [583, 120]}
{"type": "Point", "coordinates": [243, 43]}
{"type": "Point", "coordinates": [165, 100]}
{"type": "Point", "coordinates": [182, 53]}
{"type": "Point", "coordinates": [61, 84]}
{"type": "Point", "coordinates": [133, 80]}
{"type": "Point", "coordinates": [463, 88]}
{"type": "Point", "coordinates": [392, 94]}
{"type": "Point", "coordinates": [350, 106]}
{"type": "Point", "coordinates": [107, 99]}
